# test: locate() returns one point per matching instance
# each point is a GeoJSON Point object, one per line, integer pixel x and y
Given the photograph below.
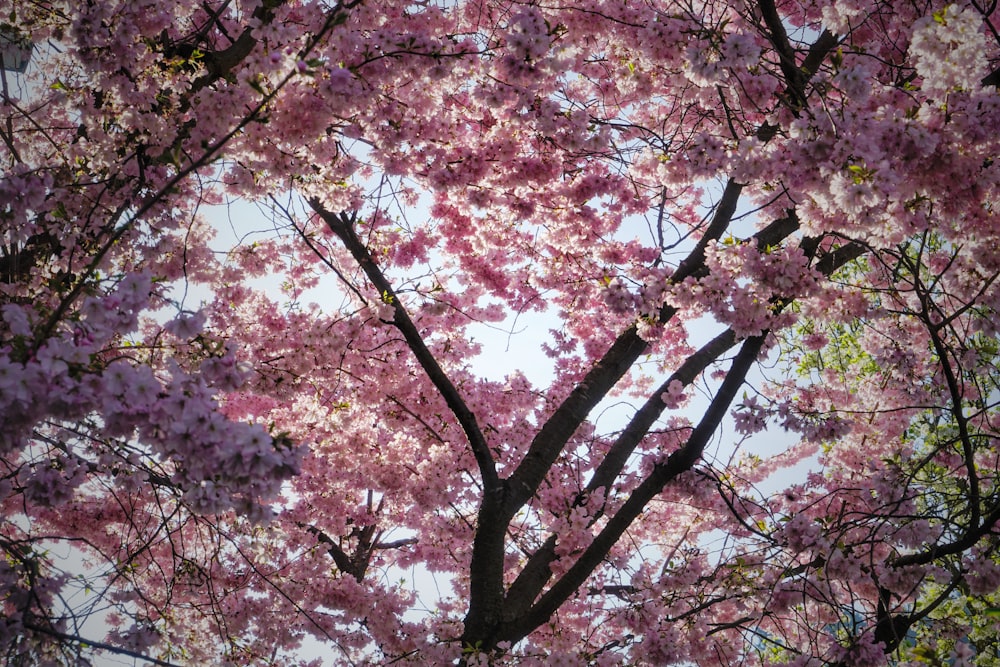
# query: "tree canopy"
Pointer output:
{"type": "Point", "coordinates": [250, 250]}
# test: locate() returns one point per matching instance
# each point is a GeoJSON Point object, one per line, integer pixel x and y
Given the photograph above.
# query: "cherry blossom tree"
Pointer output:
{"type": "Point", "coordinates": [763, 237]}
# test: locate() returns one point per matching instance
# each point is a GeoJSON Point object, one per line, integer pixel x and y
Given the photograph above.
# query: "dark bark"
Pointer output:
{"type": "Point", "coordinates": [676, 464]}
{"type": "Point", "coordinates": [342, 225]}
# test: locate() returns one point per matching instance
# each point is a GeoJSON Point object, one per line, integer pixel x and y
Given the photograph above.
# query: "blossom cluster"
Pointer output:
{"type": "Point", "coordinates": [948, 49]}
{"type": "Point", "coordinates": [220, 463]}
{"type": "Point", "coordinates": [745, 285]}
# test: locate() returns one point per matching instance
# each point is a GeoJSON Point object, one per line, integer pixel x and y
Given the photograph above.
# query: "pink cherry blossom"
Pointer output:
{"type": "Point", "coordinates": [274, 275]}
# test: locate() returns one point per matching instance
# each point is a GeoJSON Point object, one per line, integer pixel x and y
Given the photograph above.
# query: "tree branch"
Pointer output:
{"type": "Point", "coordinates": [794, 78]}
{"type": "Point", "coordinates": [663, 473]}
{"type": "Point", "coordinates": [91, 643]}
{"type": "Point", "coordinates": [605, 374]}
{"type": "Point", "coordinates": [343, 226]}
{"type": "Point", "coordinates": [487, 602]}
{"type": "Point", "coordinates": [536, 571]}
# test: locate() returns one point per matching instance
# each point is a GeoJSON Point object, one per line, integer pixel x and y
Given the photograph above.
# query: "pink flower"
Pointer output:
{"type": "Point", "coordinates": [17, 319]}
{"type": "Point", "coordinates": [674, 397]}
{"type": "Point", "coordinates": [949, 50]}
{"type": "Point", "coordinates": [186, 325]}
